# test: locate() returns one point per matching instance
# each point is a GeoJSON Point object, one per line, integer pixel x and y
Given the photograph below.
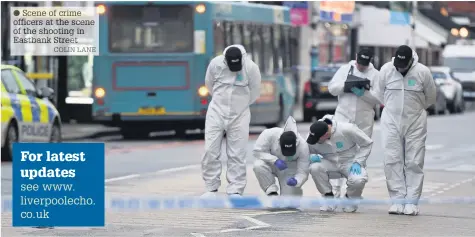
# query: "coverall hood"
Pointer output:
{"type": "Point", "coordinates": [291, 125]}
{"type": "Point", "coordinates": [370, 66]}
{"type": "Point", "coordinates": [239, 46]}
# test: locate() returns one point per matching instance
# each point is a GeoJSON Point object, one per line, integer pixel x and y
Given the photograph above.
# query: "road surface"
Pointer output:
{"type": "Point", "coordinates": [167, 166]}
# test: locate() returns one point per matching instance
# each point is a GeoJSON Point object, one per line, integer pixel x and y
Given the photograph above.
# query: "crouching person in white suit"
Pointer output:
{"type": "Point", "coordinates": [338, 149]}
{"type": "Point", "coordinates": [283, 154]}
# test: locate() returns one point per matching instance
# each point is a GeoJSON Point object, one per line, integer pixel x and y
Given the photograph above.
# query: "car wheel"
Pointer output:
{"type": "Point", "coordinates": [10, 139]}
{"type": "Point", "coordinates": [55, 133]}
{"type": "Point", "coordinates": [377, 113]}
{"type": "Point", "coordinates": [461, 105]}
{"type": "Point", "coordinates": [452, 106]}
{"type": "Point", "coordinates": [307, 116]}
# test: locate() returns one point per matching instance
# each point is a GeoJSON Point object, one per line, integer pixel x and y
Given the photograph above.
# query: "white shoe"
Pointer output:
{"type": "Point", "coordinates": [328, 208]}
{"type": "Point", "coordinates": [209, 195]}
{"type": "Point", "coordinates": [350, 208]}
{"type": "Point", "coordinates": [411, 209]}
{"type": "Point", "coordinates": [396, 209]}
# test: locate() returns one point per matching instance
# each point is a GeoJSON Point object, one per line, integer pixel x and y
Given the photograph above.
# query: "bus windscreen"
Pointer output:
{"type": "Point", "coordinates": [151, 29]}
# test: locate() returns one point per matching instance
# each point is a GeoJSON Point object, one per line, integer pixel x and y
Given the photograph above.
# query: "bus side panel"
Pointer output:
{"type": "Point", "coordinates": [203, 54]}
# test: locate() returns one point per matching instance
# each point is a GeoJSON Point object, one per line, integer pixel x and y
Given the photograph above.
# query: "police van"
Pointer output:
{"type": "Point", "coordinates": [27, 113]}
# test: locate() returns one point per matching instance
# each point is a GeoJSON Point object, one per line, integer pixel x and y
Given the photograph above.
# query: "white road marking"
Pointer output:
{"type": "Point", "coordinates": [164, 171]}
{"type": "Point", "coordinates": [452, 186]}
{"type": "Point", "coordinates": [132, 176]}
{"type": "Point", "coordinates": [178, 169]}
{"type": "Point", "coordinates": [381, 178]}
{"type": "Point", "coordinates": [255, 221]}
{"type": "Point", "coordinates": [272, 213]}
{"type": "Point", "coordinates": [198, 235]}
{"type": "Point", "coordinates": [259, 225]}
{"type": "Point", "coordinates": [461, 168]}
{"type": "Point", "coordinates": [434, 147]}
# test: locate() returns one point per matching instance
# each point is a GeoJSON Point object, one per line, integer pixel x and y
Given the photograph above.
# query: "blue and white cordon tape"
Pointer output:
{"type": "Point", "coordinates": [249, 202]}
{"type": "Point", "coordinates": [255, 202]}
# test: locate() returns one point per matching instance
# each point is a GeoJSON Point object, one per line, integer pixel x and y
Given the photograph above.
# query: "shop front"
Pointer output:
{"type": "Point", "coordinates": [377, 32]}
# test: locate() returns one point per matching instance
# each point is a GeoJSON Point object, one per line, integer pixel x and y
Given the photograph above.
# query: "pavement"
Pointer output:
{"type": "Point", "coordinates": [169, 166]}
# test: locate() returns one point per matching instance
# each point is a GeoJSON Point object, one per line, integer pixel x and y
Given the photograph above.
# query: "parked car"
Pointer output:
{"type": "Point", "coordinates": [27, 113]}
{"type": "Point", "coordinates": [440, 105]}
{"type": "Point", "coordinates": [451, 87]}
{"type": "Point", "coordinates": [317, 100]}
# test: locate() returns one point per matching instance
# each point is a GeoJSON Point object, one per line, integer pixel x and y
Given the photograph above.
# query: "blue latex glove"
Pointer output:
{"type": "Point", "coordinates": [315, 158]}
{"type": "Point", "coordinates": [358, 92]}
{"type": "Point", "coordinates": [291, 182]}
{"type": "Point", "coordinates": [355, 169]}
{"type": "Point", "coordinates": [280, 164]}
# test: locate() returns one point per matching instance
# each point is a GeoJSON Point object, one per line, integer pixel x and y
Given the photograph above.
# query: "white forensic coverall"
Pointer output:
{"type": "Point", "coordinates": [347, 144]}
{"type": "Point", "coordinates": [267, 150]}
{"type": "Point", "coordinates": [351, 108]}
{"type": "Point", "coordinates": [228, 112]}
{"type": "Point", "coordinates": [404, 126]}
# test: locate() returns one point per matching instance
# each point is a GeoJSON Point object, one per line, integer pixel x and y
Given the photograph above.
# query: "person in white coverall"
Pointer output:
{"type": "Point", "coordinates": [338, 149]}
{"type": "Point", "coordinates": [233, 81]}
{"type": "Point", "coordinates": [283, 154]}
{"type": "Point", "coordinates": [358, 106]}
{"type": "Point", "coordinates": [407, 89]}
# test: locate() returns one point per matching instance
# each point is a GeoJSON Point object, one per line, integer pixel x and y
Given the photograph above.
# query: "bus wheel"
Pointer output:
{"type": "Point", "coordinates": [180, 132]}
{"type": "Point", "coordinates": [134, 133]}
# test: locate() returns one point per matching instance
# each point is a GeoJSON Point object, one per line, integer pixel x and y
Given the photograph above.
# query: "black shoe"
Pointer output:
{"type": "Point", "coordinates": [329, 195]}
{"type": "Point", "coordinates": [273, 194]}
{"type": "Point", "coordinates": [214, 191]}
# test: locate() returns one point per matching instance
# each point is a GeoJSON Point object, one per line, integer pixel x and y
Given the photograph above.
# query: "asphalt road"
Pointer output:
{"type": "Point", "coordinates": [144, 166]}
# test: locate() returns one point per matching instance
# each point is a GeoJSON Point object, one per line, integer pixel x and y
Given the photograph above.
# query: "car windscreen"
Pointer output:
{"type": "Point", "coordinates": [324, 76]}
{"type": "Point", "coordinates": [439, 75]}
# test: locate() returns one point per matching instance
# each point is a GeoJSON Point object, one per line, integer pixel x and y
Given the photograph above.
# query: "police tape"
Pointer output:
{"type": "Point", "coordinates": [254, 202]}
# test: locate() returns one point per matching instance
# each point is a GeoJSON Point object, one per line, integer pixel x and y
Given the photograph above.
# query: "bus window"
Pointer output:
{"type": "Point", "coordinates": [246, 41]}
{"type": "Point", "coordinates": [285, 47]}
{"type": "Point", "coordinates": [248, 36]}
{"type": "Point", "coordinates": [218, 38]}
{"type": "Point", "coordinates": [257, 47]}
{"type": "Point", "coordinates": [277, 51]}
{"type": "Point", "coordinates": [268, 50]}
{"type": "Point", "coordinates": [228, 33]}
{"type": "Point", "coordinates": [151, 29]}
{"type": "Point", "coordinates": [237, 37]}
{"type": "Point", "coordinates": [293, 47]}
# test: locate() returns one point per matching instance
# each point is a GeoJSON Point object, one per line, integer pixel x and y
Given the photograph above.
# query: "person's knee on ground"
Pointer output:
{"type": "Point", "coordinates": [265, 177]}
{"type": "Point", "coordinates": [356, 183]}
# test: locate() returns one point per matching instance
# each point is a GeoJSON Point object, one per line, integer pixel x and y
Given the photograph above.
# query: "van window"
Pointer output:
{"type": "Point", "coordinates": [460, 64]}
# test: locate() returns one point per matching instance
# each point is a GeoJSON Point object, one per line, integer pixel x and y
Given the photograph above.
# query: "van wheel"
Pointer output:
{"type": "Point", "coordinates": [11, 137]}
{"type": "Point", "coordinates": [55, 133]}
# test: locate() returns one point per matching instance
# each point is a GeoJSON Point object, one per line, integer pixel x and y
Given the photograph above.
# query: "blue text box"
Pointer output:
{"type": "Point", "coordinates": [58, 184]}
